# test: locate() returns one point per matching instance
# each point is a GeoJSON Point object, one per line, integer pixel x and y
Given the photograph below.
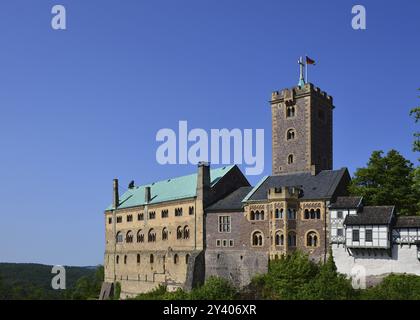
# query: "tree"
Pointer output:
{"type": "Point", "coordinates": [329, 284]}
{"type": "Point", "coordinates": [387, 180]}
{"type": "Point", "coordinates": [286, 278]}
{"type": "Point", "coordinates": [395, 287]}
{"type": "Point", "coordinates": [214, 288]}
{"type": "Point", "coordinates": [415, 113]}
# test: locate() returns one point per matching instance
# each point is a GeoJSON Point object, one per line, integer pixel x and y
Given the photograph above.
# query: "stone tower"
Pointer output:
{"type": "Point", "coordinates": [302, 119]}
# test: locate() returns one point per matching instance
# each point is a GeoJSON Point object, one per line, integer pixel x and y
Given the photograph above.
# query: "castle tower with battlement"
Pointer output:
{"type": "Point", "coordinates": [302, 119]}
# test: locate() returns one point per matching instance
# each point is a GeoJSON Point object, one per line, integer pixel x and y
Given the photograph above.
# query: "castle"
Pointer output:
{"type": "Point", "coordinates": [180, 231]}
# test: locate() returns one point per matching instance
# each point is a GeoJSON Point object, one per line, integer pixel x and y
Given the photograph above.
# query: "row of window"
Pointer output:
{"type": "Point", "coordinates": [152, 215]}
{"type": "Point", "coordinates": [181, 233]}
{"type": "Point", "coordinates": [291, 112]}
{"type": "Point", "coordinates": [152, 259]}
{"type": "Point", "coordinates": [311, 239]}
{"type": "Point", "coordinates": [279, 214]}
{"type": "Point", "coordinates": [368, 235]}
{"type": "Point", "coordinates": [224, 243]}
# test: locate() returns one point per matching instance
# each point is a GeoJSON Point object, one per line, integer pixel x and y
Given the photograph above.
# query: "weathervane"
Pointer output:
{"type": "Point", "coordinates": [303, 67]}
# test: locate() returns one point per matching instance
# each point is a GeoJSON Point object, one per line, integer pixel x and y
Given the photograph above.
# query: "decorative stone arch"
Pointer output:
{"type": "Point", "coordinates": [279, 238]}
{"type": "Point", "coordinates": [290, 134]}
{"type": "Point", "coordinates": [165, 234]}
{"type": "Point", "coordinates": [129, 236]}
{"type": "Point", "coordinates": [179, 233]}
{"type": "Point", "coordinates": [292, 238]}
{"type": "Point", "coordinates": [140, 236]}
{"type": "Point", "coordinates": [257, 238]}
{"type": "Point", "coordinates": [151, 236]}
{"type": "Point", "coordinates": [312, 239]}
{"type": "Point", "coordinates": [186, 232]}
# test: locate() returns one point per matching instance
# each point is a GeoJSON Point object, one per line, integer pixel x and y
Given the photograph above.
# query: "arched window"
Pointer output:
{"type": "Point", "coordinates": [179, 233]}
{"type": "Point", "coordinates": [176, 258]}
{"type": "Point", "coordinates": [291, 239]}
{"type": "Point", "coordinates": [291, 214]}
{"type": "Point", "coordinates": [290, 134]}
{"type": "Point", "coordinates": [257, 239]}
{"type": "Point", "coordinates": [120, 237]}
{"type": "Point", "coordinates": [312, 214]}
{"type": "Point", "coordinates": [164, 234]}
{"type": "Point", "coordinates": [129, 237]}
{"type": "Point", "coordinates": [152, 258]}
{"type": "Point", "coordinates": [279, 239]}
{"type": "Point", "coordinates": [151, 237]}
{"type": "Point", "coordinates": [252, 216]}
{"type": "Point", "coordinates": [187, 258]}
{"type": "Point", "coordinates": [138, 258]}
{"type": "Point", "coordinates": [125, 259]}
{"type": "Point", "coordinates": [307, 214]}
{"type": "Point", "coordinates": [318, 213]}
{"type": "Point", "coordinates": [186, 232]}
{"type": "Point", "coordinates": [290, 111]}
{"type": "Point", "coordinates": [312, 239]}
{"type": "Point", "coordinates": [140, 236]}
{"type": "Point", "coordinates": [262, 215]}
{"type": "Point", "coordinates": [290, 159]}
{"type": "Point", "coordinates": [257, 215]}
{"type": "Point", "coordinates": [118, 259]}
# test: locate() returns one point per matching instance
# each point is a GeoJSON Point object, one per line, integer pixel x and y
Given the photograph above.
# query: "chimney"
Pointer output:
{"type": "Point", "coordinates": [147, 194]}
{"type": "Point", "coordinates": [203, 182]}
{"type": "Point", "coordinates": [116, 198]}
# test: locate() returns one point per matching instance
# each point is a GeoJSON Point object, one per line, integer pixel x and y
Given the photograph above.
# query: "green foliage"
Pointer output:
{"type": "Point", "coordinates": [415, 113]}
{"type": "Point", "coordinates": [117, 291]}
{"type": "Point", "coordinates": [23, 281]}
{"type": "Point", "coordinates": [214, 289]}
{"type": "Point", "coordinates": [286, 278]}
{"type": "Point", "coordinates": [395, 287]}
{"type": "Point", "coordinates": [329, 285]}
{"type": "Point", "coordinates": [387, 180]}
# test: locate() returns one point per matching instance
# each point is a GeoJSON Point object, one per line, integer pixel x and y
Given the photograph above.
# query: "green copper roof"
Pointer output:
{"type": "Point", "coordinates": [168, 190]}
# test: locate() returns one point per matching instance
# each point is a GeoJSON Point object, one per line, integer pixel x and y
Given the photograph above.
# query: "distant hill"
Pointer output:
{"type": "Point", "coordinates": [33, 281]}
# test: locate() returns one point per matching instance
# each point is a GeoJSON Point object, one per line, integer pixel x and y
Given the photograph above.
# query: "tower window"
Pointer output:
{"type": "Point", "coordinates": [290, 134]}
{"type": "Point", "coordinates": [290, 159]}
{"type": "Point", "coordinates": [257, 239]}
{"type": "Point", "coordinates": [312, 239]}
{"type": "Point", "coordinates": [290, 111]}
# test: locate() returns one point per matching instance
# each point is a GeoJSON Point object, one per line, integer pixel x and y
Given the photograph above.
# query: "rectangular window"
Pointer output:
{"type": "Point", "coordinates": [340, 232]}
{"type": "Point", "coordinates": [225, 242]}
{"type": "Point", "coordinates": [129, 218]}
{"type": "Point", "coordinates": [140, 217]}
{"type": "Point", "coordinates": [191, 211]}
{"type": "Point", "coordinates": [224, 223]}
{"type": "Point", "coordinates": [356, 235]}
{"type": "Point", "coordinates": [368, 235]}
{"type": "Point", "coordinates": [152, 214]}
{"type": "Point", "coordinates": [109, 220]}
{"type": "Point", "coordinates": [340, 215]}
{"type": "Point", "coordinates": [164, 213]}
{"type": "Point", "coordinates": [231, 243]}
{"type": "Point", "coordinates": [218, 243]}
{"type": "Point", "coordinates": [119, 219]}
{"type": "Point", "coordinates": [178, 212]}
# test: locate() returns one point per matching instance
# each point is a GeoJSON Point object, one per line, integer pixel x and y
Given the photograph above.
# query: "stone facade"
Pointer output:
{"type": "Point", "coordinates": [302, 119]}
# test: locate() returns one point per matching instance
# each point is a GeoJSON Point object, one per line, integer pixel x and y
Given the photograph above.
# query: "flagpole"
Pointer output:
{"type": "Point", "coordinates": [306, 69]}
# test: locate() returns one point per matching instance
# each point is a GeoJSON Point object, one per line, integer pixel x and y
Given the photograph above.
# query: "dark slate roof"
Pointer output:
{"type": "Point", "coordinates": [320, 186]}
{"type": "Point", "coordinates": [346, 203]}
{"type": "Point", "coordinates": [371, 215]}
{"type": "Point", "coordinates": [232, 202]}
{"type": "Point", "coordinates": [408, 222]}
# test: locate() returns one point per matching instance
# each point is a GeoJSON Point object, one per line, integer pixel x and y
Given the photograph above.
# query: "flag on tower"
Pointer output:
{"type": "Point", "coordinates": [310, 61]}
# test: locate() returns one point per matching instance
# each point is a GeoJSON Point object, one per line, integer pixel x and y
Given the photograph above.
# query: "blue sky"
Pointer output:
{"type": "Point", "coordinates": [82, 106]}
